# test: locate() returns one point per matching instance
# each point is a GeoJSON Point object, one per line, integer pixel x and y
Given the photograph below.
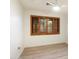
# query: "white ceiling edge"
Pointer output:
{"type": "Point", "coordinates": [47, 9]}
{"type": "Point", "coordinates": [38, 13]}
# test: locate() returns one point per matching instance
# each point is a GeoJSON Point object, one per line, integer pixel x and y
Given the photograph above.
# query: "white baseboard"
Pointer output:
{"type": "Point", "coordinates": [43, 44]}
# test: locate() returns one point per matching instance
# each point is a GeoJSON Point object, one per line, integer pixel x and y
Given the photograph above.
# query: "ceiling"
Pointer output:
{"type": "Point", "coordinates": [40, 5]}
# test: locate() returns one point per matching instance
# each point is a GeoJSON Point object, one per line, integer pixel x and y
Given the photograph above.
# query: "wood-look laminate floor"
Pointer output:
{"type": "Point", "coordinates": [57, 51]}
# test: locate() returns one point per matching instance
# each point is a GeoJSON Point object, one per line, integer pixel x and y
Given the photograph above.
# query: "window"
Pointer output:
{"type": "Point", "coordinates": [43, 25]}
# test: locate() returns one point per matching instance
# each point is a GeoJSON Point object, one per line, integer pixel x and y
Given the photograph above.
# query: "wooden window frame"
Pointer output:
{"type": "Point", "coordinates": [46, 33]}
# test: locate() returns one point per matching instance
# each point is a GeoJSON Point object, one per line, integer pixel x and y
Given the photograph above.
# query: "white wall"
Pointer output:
{"type": "Point", "coordinates": [16, 32]}
{"type": "Point", "coordinates": [31, 41]}
{"type": "Point", "coordinates": [66, 28]}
